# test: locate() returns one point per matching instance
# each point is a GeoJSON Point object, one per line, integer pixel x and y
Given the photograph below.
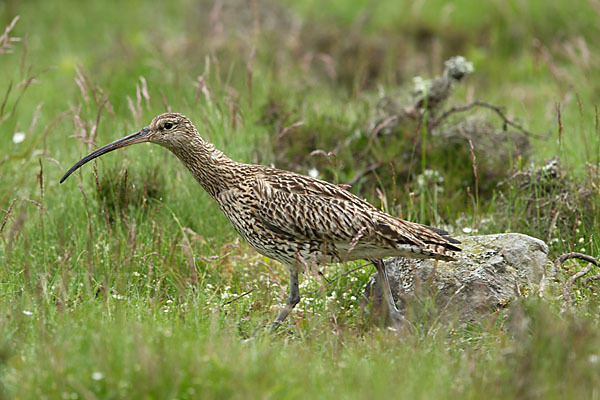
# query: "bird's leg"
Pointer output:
{"type": "Point", "coordinates": [396, 315]}
{"type": "Point", "coordinates": [292, 300]}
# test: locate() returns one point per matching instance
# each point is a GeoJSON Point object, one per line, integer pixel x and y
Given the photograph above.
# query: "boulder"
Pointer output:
{"type": "Point", "coordinates": [490, 271]}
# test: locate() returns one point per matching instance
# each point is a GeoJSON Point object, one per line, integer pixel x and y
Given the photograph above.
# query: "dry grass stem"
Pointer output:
{"type": "Point", "coordinates": [6, 41]}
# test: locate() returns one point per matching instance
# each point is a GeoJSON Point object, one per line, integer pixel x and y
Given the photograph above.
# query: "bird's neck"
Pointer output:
{"type": "Point", "coordinates": [210, 166]}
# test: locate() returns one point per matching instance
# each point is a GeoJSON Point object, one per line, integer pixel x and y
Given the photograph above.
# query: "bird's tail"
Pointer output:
{"type": "Point", "coordinates": [420, 240]}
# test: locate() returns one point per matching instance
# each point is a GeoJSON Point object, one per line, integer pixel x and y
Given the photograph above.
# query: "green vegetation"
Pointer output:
{"type": "Point", "coordinates": [127, 282]}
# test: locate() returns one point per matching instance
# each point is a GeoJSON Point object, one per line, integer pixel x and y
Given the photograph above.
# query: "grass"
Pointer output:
{"type": "Point", "coordinates": [127, 282]}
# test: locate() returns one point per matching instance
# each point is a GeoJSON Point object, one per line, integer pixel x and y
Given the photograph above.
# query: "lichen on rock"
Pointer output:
{"type": "Point", "coordinates": [488, 274]}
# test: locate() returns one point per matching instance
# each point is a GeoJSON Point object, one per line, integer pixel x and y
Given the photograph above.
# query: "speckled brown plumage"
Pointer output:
{"type": "Point", "coordinates": [292, 218]}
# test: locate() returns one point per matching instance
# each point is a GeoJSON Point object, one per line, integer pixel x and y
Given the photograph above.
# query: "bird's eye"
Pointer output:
{"type": "Point", "coordinates": [168, 125]}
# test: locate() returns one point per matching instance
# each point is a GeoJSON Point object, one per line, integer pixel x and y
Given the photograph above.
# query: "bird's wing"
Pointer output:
{"type": "Point", "coordinates": [311, 209]}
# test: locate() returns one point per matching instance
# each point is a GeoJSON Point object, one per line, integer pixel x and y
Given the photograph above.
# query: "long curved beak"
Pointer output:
{"type": "Point", "coordinates": [138, 137]}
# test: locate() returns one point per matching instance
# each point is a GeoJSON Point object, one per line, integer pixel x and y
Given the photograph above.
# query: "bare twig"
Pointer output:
{"type": "Point", "coordinates": [238, 297]}
{"type": "Point", "coordinates": [560, 260]}
{"type": "Point", "coordinates": [496, 109]}
{"type": "Point", "coordinates": [285, 130]}
{"type": "Point", "coordinates": [587, 280]}
{"type": "Point", "coordinates": [567, 295]}
{"type": "Point", "coordinates": [380, 126]}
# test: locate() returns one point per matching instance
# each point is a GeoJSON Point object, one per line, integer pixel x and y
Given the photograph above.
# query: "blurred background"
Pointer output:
{"type": "Point", "coordinates": [297, 81]}
{"type": "Point", "coordinates": [130, 260]}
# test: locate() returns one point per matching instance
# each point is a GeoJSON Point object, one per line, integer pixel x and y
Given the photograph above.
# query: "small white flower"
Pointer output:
{"type": "Point", "coordinates": [313, 172]}
{"type": "Point", "coordinates": [118, 296]}
{"type": "Point", "coordinates": [97, 376]}
{"type": "Point", "coordinates": [18, 137]}
{"type": "Point", "coordinates": [27, 312]}
{"type": "Point", "coordinates": [467, 230]}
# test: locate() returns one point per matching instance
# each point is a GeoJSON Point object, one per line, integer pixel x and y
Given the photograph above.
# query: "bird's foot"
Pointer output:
{"type": "Point", "coordinates": [398, 321]}
{"type": "Point", "coordinates": [275, 326]}
{"type": "Point", "coordinates": [282, 315]}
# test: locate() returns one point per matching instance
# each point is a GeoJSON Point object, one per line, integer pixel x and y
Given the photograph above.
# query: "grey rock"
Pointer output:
{"type": "Point", "coordinates": [490, 271]}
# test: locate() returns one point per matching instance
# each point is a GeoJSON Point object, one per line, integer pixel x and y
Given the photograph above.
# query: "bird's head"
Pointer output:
{"type": "Point", "coordinates": [171, 130]}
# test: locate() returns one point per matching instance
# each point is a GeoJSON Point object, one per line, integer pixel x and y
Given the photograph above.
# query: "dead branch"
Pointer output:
{"type": "Point", "coordinates": [238, 297]}
{"type": "Point", "coordinates": [498, 110]}
{"type": "Point", "coordinates": [381, 125]}
{"type": "Point", "coordinates": [588, 279]}
{"type": "Point", "coordinates": [567, 293]}
{"type": "Point", "coordinates": [560, 260]}
{"type": "Point", "coordinates": [285, 130]}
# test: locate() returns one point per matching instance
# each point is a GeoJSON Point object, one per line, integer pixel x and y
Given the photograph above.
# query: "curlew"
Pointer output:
{"type": "Point", "coordinates": [291, 218]}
